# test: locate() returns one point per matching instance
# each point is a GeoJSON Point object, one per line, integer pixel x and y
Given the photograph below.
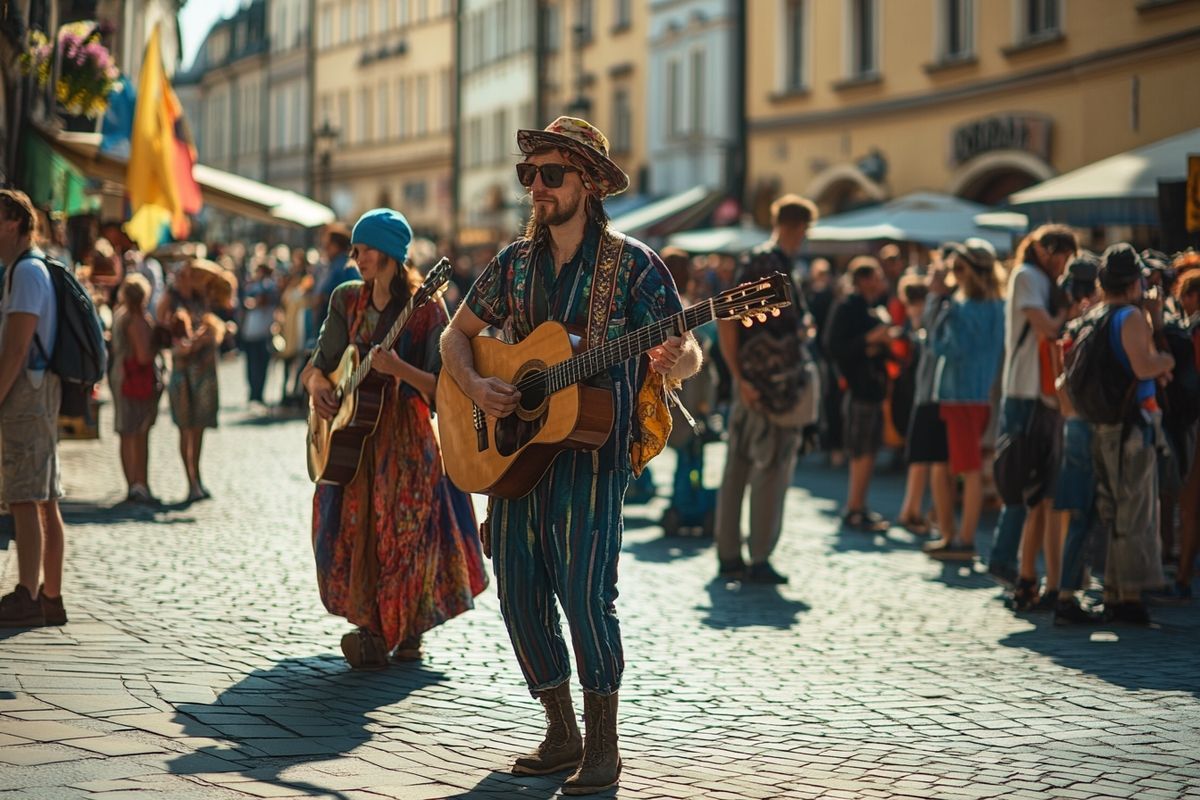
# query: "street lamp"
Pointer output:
{"type": "Point", "coordinates": [326, 138]}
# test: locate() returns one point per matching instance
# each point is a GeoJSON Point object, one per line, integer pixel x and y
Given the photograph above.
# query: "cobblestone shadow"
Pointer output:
{"type": "Point", "coordinates": [739, 605]}
{"type": "Point", "coordinates": [1165, 657]}
{"type": "Point", "coordinates": [301, 710]}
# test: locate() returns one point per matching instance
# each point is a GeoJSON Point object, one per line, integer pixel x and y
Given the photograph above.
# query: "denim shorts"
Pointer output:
{"type": "Point", "coordinates": [1076, 486]}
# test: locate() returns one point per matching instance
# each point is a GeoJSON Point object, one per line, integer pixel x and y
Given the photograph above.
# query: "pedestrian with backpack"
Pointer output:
{"type": "Point", "coordinates": [30, 397]}
{"type": "Point", "coordinates": [1111, 374]}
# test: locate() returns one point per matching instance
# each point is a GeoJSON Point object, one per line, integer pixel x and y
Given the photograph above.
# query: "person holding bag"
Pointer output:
{"type": "Point", "coordinates": [136, 384]}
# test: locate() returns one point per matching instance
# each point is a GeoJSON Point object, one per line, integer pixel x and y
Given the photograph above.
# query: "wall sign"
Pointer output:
{"type": "Point", "coordinates": [1028, 133]}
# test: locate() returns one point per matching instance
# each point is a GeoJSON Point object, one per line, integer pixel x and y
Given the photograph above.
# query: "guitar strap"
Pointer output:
{"type": "Point", "coordinates": [387, 317]}
{"type": "Point", "coordinates": [604, 286]}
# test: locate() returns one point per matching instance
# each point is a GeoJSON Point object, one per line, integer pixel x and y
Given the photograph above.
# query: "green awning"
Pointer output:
{"type": "Point", "coordinates": [52, 181]}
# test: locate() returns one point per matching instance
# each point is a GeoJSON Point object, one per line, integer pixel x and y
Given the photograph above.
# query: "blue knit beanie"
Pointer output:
{"type": "Point", "coordinates": [385, 230]}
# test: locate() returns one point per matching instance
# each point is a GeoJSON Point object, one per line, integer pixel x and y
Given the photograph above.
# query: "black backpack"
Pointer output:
{"type": "Point", "coordinates": [80, 356]}
{"type": "Point", "coordinates": [1099, 386]}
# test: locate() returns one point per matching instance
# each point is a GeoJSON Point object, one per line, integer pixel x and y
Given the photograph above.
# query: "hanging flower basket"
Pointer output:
{"type": "Point", "coordinates": [86, 71]}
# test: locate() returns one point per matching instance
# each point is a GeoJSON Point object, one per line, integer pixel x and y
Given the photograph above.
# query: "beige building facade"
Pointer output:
{"type": "Point", "coordinates": [595, 63]}
{"type": "Point", "coordinates": [383, 112]}
{"type": "Point", "coordinates": [856, 101]}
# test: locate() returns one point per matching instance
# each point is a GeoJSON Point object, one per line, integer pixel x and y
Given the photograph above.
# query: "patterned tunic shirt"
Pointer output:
{"type": "Point", "coordinates": [518, 291]}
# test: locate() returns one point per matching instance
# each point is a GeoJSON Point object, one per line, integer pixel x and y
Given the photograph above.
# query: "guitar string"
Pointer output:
{"type": "Point", "coordinates": [593, 361]}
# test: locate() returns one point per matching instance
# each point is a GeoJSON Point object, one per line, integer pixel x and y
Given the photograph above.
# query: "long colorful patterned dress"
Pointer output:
{"type": "Point", "coordinates": [397, 550]}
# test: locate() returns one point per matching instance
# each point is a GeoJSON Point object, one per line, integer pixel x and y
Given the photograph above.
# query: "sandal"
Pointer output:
{"type": "Point", "coordinates": [917, 526]}
{"type": "Point", "coordinates": [408, 650]}
{"type": "Point", "coordinates": [865, 521]}
{"type": "Point", "coordinates": [364, 649]}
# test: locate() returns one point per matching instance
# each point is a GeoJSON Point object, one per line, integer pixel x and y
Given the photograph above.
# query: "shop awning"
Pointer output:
{"type": "Point", "coordinates": [224, 191]}
{"type": "Point", "coordinates": [1118, 190]}
{"type": "Point", "coordinates": [924, 218]}
{"type": "Point", "coordinates": [730, 241]}
{"type": "Point", "coordinates": [663, 217]}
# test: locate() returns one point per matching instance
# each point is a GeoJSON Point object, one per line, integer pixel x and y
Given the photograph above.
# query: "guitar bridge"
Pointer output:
{"type": "Point", "coordinates": [481, 434]}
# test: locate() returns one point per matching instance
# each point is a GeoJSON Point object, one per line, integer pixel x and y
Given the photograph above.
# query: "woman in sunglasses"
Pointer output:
{"type": "Point", "coordinates": [563, 538]}
{"type": "Point", "coordinates": [397, 548]}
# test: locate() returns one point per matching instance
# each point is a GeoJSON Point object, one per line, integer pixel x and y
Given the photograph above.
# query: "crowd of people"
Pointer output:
{"type": "Point", "coordinates": [1065, 383]}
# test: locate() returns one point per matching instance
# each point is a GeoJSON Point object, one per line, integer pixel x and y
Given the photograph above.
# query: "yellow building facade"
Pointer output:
{"type": "Point", "coordinates": [594, 65]}
{"type": "Point", "coordinates": [383, 111]}
{"type": "Point", "coordinates": [854, 101]}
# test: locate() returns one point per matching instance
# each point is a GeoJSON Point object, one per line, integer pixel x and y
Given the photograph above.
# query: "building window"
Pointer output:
{"type": "Point", "coordinates": [551, 24]}
{"type": "Point", "coordinates": [402, 12]}
{"type": "Point", "coordinates": [500, 137]}
{"type": "Point", "coordinates": [364, 19]}
{"type": "Point", "coordinates": [343, 120]}
{"type": "Point", "coordinates": [583, 20]}
{"type": "Point", "coordinates": [447, 99]}
{"type": "Point", "coordinates": [422, 105]}
{"type": "Point", "coordinates": [696, 104]}
{"type": "Point", "coordinates": [622, 121]}
{"type": "Point", "coordinates": [674, 100]}
{"type": "Point", "coordinates": [623, 14]}
{"type": "Point", "coordinates": [795, 50]}
{"type": "Point", "coordinates": [863, 31]}
{"type": "Point", "coordinates": [365, 131]}
{"type": "Point", "coordinates": [386, 15]}
{"type": "Point", "coordinates": [415, 194]}
{"type": "Point", "coordinates": [401, 108]}
{"type": "Point", "coordinates": [957, 29]}
{"type": "Point", "coordinates": [344, 20]}
{"type": "Point", "coordinates": [1040, 19]}
{"type": "Point", "coordinates": [384, 110]}
{"type": "Point", "coordinates": [422, 10]}
{"type": "Point", "coordinates": [325, 29]}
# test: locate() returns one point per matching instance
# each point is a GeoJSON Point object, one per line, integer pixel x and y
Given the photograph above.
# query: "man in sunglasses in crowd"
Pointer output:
{"type": "Point", "coordinates": [563, 538]}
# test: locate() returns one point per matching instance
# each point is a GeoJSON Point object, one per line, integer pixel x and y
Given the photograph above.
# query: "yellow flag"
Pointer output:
{"type": "Point", "coordinates": [150, 180]}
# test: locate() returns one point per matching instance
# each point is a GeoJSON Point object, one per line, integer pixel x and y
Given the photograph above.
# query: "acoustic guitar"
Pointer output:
{"type": "Point", "coordinates": [335, 446]}
{"type": "Point", "coordinates": [558, 410]}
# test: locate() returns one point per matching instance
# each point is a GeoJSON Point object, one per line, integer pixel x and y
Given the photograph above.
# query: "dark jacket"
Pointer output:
{"type": "Point", "coordinates": [846, 341]}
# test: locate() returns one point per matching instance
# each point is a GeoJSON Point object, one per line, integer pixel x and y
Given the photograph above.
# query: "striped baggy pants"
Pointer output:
{"type": "Point", "coordinates": [562, 540]}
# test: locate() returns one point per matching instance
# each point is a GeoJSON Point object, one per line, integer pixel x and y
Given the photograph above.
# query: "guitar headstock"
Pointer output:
{"type": "Point", "coordinates": [754, 300]}
{"type": "Point", "coordinates": [435, 281]}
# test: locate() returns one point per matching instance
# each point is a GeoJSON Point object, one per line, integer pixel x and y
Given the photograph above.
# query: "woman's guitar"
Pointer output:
{"type": "Point", "coordinates": [335, 446]}
{"type": "Point", "coordinates": [507, 457]}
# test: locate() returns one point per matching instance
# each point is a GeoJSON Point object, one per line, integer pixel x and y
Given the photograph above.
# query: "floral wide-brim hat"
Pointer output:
{"type": "Point", "coordinates": [585, 143]}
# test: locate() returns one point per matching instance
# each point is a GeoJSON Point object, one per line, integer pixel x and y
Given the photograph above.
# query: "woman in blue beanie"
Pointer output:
{"type": "Point", "coordinates": [397, 549]}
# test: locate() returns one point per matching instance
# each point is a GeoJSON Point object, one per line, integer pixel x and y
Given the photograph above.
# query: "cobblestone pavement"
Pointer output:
{"type": "Point", "coordinates": [199, 663]}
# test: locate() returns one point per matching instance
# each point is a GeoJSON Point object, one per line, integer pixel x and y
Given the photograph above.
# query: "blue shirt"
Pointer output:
{"type": "Point", "coordinates": [1145, 387]}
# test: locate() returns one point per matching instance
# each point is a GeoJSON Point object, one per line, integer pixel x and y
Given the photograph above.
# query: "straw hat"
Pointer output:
{"type": "Point", "coordinates": [586, 144]}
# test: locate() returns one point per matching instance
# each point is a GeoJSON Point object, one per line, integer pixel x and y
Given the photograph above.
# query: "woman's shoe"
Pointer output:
{"type": "Point", "coordinates": [408, 650]}
{"type": "Point", "coordinates": [1024, 596]}
{"type": "Point", "coordinates": [364, 649]}
{"type": "Point", "coordinates": [196, 494]}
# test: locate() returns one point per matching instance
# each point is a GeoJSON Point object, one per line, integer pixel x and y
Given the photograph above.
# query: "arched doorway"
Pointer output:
{"type": "Point", "coordinates": [990, 178]}
{"type": "Point", "coordinates": [843, 188]}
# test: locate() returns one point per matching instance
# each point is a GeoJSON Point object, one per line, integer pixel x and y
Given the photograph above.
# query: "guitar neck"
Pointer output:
{"type": "Point", "coordinates": [364, 366]}
{"type": "Point", "coordinates": [598, 359]}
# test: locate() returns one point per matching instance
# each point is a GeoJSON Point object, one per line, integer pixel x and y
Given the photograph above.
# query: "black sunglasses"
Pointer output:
{"type": "Point", "coordinates": [552, 174]}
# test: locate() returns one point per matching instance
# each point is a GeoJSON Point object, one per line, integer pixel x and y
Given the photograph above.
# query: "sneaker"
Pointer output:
{"type": "Point", "coordinates": [1072, 612]}
{"type": "Point", "coordinates": [733, 569]}
{"type": "Point", "coordinates": [1003, 574]}
{"type": "Point", "coordinates": [52, 608]}
{"type": "Point", "coordinates": [1131, 611]}
{"type": "Point", "coordinates": [1024, 596]}
{"type": "Point", "coordinates": [949, 551]}
{"type": "Point", "coordinates": [18, 609]}
{"type": "Point", "coordinates": [764, 573]}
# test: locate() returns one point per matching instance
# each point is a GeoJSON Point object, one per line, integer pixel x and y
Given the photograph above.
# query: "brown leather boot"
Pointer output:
{"type": "Point", "coordinates": [601, 766]}
{"type": "Point", "coordinates": [562, 748]}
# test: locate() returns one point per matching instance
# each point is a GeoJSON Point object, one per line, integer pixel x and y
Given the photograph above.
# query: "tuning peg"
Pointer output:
{"type": "Point", "coordinates": [774, 312]}
{"type": "Point", "coordinates": [761, 317]}
{"type": "Point", "coordinates": [747, 322]}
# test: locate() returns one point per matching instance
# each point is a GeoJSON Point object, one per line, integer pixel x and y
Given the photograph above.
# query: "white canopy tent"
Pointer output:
{"type": "Point", "coordinates": [1118, 190]}
{"type": "Point", "coordinates": [924, 218]}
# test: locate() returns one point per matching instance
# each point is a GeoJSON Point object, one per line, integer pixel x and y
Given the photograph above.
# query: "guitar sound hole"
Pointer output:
{"type": "Point", "coordinates": [533, 395]}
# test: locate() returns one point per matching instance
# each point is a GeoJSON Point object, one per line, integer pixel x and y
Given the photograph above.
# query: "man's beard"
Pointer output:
{"type": "Point", "coordinates": [554, 214]}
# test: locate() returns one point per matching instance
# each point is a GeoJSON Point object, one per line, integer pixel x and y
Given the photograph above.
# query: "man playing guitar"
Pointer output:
{"type": "Point", "coordinates": [564, 537]}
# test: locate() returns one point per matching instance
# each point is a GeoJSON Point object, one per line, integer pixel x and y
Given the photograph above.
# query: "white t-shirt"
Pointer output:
{"type": "Point", "coordinates": [1028, 287]}
{"type": "Point", "coordinates": [29, 290]}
